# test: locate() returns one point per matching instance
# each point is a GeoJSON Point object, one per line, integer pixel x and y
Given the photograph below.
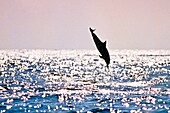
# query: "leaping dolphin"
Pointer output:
{"type": "Point", "coordinates": [101, 46]}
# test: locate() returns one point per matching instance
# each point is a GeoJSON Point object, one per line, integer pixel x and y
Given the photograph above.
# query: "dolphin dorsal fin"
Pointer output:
{"type": "Point", "coordinates": [104, 43]}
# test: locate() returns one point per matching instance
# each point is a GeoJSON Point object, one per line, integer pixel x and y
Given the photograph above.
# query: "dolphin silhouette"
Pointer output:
{"type": "Point", "coordinates": [101, 46]}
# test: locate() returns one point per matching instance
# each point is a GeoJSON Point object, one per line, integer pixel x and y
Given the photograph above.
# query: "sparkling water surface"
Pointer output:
{"type": "Point", "coordinates": [78, 81]}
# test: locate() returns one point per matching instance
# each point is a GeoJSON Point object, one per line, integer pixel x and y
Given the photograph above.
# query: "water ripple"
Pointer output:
{"type": "Point", "coordinates": [78, 81]}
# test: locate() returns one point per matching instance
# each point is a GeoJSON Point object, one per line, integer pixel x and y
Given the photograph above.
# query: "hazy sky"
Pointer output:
{"type": "Point", "coordinates": [63, 24]}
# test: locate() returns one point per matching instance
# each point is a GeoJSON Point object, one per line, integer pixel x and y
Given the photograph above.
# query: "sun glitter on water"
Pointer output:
{"type": "Point", "coordinates": [78, 81]}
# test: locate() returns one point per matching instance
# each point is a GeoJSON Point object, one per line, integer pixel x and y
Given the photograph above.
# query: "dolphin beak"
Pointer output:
{"type": "Point", "coordinates": [108, 69]}
{"type": "Point", "coordinates": [107, 66]}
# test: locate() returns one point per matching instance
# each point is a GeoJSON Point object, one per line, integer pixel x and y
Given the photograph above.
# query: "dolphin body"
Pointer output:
{"type": "Point", "coordinates": [101, 46]}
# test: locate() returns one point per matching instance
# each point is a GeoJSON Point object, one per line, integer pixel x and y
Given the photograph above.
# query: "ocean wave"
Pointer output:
{"type": "Point", "coordinates": [78, 81]}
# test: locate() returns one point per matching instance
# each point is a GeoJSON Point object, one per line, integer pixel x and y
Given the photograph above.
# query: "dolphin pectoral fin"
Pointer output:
{"type": "Point", "coordinates": [104, 43]}
{"type": "Point", "coordinates": [101, 56]}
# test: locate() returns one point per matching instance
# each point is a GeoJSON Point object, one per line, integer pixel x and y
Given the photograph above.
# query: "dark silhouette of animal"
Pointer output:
{"type": "Point", "coordinates": [101, 46]}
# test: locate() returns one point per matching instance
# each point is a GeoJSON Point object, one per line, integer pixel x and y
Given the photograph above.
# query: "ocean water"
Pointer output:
{"type": "Point", "coordinates": [77, 81]}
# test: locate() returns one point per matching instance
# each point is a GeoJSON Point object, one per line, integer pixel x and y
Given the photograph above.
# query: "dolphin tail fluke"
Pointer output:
{"type": "Point", "coordinates": [92, 30]}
